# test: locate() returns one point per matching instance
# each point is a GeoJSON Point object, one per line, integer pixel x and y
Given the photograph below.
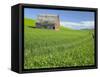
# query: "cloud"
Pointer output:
{"type": "Point", "coordinates": [79, 25]}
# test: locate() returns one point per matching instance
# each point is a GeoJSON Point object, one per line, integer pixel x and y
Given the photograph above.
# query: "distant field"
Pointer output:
{"type": "Point", "coordinates": [46, 48]}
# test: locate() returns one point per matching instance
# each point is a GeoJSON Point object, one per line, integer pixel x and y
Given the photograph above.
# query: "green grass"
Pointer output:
{"type": "Point", "coordinates": [29, 22]}
{"type": "Point", "coordinates": [46, 48]}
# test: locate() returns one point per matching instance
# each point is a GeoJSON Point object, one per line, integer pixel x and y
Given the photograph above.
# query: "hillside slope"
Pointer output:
{"type": "Point", "coordinates": [46, 48]}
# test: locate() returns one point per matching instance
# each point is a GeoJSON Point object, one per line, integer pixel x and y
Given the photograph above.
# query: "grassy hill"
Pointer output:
{"type": "Point", "coordinates": [29, 22]}
{"type": "Point", "coordinates": [46, 48]}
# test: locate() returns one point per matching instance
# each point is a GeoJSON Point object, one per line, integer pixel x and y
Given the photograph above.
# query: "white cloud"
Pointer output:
{"type": "Point", "coordinates": [80, 25]}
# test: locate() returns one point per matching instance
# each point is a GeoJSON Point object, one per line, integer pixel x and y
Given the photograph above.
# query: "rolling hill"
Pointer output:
{"type": "Point", "coordinates": [46, 48]}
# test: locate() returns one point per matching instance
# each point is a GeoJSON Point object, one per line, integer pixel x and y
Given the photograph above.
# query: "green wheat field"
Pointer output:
{"type": "Point", "coordinates": [45, 48]}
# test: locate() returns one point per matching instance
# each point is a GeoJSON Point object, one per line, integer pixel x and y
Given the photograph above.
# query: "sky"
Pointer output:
{"type": "Point", "coordinates": [68, 18]}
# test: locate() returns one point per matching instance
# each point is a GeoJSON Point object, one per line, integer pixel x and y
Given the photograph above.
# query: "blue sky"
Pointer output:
{"type": "Point", "coordinates": [71, 19]}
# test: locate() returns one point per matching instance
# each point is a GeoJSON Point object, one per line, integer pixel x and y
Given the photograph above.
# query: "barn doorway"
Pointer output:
{"type": "Point", "coordinates": [53, 27]}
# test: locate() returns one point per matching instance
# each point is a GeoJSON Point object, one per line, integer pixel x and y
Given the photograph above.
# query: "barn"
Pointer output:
{"type": "Point", "coordinates": [48, 21]}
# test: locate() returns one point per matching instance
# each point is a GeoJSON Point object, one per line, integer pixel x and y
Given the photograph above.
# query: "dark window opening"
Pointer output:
{"type": "Point", "coordinates": [53, 27]}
